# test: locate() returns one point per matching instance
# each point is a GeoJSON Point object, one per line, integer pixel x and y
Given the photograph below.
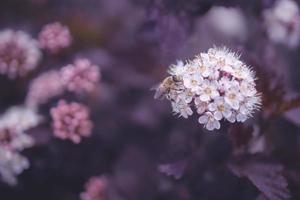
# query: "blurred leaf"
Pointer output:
{"type": "Point", "coordinates": [175, 169]}
{"type": "Point", "coordinates": [267, 177]}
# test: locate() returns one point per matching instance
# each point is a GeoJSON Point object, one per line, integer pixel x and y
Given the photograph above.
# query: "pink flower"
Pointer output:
{"type": "Point", "coordinates": [44, 87]}
{"type": "Point", "coordinates": [95, 189]}
{"type": "Point", "coordinates": [80, 76]}
{"type": "Point", "coordinates": [71, 121]}
{"type": "Point", "coordinates": [55, 37]}
{"type": "Point", "coordinates": [19, 53]}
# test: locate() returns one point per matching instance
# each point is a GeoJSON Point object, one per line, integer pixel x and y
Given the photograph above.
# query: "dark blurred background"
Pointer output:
{"type": "Point", "coordinates": [133, 42]}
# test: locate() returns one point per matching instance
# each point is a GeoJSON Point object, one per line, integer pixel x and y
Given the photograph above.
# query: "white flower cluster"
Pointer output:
{"type": "Point", "coordinates": [216, 83]}
{"type": "Point", "coordinates": [20, 118]}
{"type": "Point", "coordinates": [283, 23]}
{"type": "Point", "coordinates": [13, 140]}
{"type": "Point", "coordinates": [11, 165]}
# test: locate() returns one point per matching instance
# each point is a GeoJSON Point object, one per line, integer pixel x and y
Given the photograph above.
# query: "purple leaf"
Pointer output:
{"type": "Point", "coordinates": [267, 177]}
{"type": "Point", "coordinates": [175, 169]}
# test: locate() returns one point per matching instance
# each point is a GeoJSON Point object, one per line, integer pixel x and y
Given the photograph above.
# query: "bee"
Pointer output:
{"type": "Point", "coordinates": [168, 84]}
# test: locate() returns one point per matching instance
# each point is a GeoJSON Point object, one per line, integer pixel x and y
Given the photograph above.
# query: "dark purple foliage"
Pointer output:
{"type": "Point", "coordinates": [267, 177]}
{"type": "Point", "coordinates": [142, 150]}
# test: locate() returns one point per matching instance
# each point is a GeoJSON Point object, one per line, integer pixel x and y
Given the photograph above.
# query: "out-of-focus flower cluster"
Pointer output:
{"type": "Point", "coordinates": [55, 37]}
{"type": "Point", "coordinates": [283, 23]}
{"type": "Point", "coordinates": [71, 121]}
{"type": "Point", "coordinates": [19, 53]}
{"type": "Point", "coordinates": [233, 27]}
{"type": "Point", "coordinates": [80, 76]}
{"type": "Point", "coordinates": [95, 189]}
{"type": "Point", "coordinates": [216, 83]}
{"type": "Point", "coordinates": [20, 117]}
{"type": "Point", "coordinates": [44, 87]}
{"type": "Point", "coordinates": [13, 139]}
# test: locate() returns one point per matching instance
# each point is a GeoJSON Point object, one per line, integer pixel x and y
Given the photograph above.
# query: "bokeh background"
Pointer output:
{"type": "Point", "coordinates": [137, 145]}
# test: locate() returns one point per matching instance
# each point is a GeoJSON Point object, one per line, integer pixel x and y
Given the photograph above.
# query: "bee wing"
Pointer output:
{"type": "Point", "coordinates": [159, 91]}
{"type": "Point", "coordinates": [159, 94]}
{"type": "Point", "coordinates": [155, 87]}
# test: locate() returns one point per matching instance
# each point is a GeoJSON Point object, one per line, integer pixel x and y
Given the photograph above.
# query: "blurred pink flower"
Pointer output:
{"type": "Point", "coordinates": [95, 189]}
{"type": "Point", "coordinates": [19, 53]}
{"type": "Point", "coordinates": [55, 37]}
{"type": "Point", "coordinates": [80, 76]}
{"type": "Point", "coordinates": [44, 87]}
{"type": "Point", "coordinates": [71, 121]}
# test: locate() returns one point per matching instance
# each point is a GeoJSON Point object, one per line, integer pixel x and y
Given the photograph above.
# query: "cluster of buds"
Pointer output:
{"type": "Point", "coordinates": [55, 37]}
{"type": "Point", "coordinates": [217, 84]}
{"type": "Point", "coordinates": [71, 121]}
{"type": "Point", "coordinates": [19, 53]}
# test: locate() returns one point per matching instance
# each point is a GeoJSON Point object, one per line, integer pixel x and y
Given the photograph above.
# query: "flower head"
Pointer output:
{"type": "Point", "coordinates": [44, 87]}
{"type": "Point", "coordinates": [20, 118]}
{"type": "Point", "coordinates": [95, 189]}
{"type": "Point", "coordinates": [182, 108]}
{"type": "Point", "coordinates": [233, 27]}
{"type": "Point", "coordinates": [210, 121]}
{"type": "Point", "coordinates": [71, 121]}
{"type": "Point", "coordinates": [80, 76]}
{"type": "Point", "coordinates": [283, 23]}
{"type": "Point", "coordinates": [192, 81]}
{"type": "Point", "coordinates": [55, 37]}
{"type": "Point", "coordinates": [19, 53]}
{"type": "Point", "coordinates": [13, 139]}
{"type": "Point", "coordinates": [217, 84]}
{"type": "Point", "coordinates": [208, 90]}
{"type": "Point", "coordinates": [11, 165]}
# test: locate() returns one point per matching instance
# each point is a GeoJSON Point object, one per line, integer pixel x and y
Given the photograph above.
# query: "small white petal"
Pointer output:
{"type": "Point", "coordinates": [212, 107]}
{"type": "Point", "coordinates": [203, 119]}
{"type": "Point", "coordinates": [243, 109]}
{"type": "Point", "coordinates": [201, 109]}
{"type": "Point", "coordinates": [217, 124]}
{"type": "Point", "coordinates": [215, 94]}
{"type": "Point", "coordinates": [235, 105]}
{"type": "Point", "coordinates": [204, 97]}
{"type": "Point", "coordinates": [231, 118]}
{"type": "Point", "coordinates": [226, 113]}
{"type": "Point", "coordinates": [210, 125]}
{"type": "Point", "coordinates": [241, 118]}
{"type": "Point", "coordinates": [218, 115]}
{"type": "Point", "coordinates": [189, 111]}
{"type": "Point", "coordinates": [184, 115]}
